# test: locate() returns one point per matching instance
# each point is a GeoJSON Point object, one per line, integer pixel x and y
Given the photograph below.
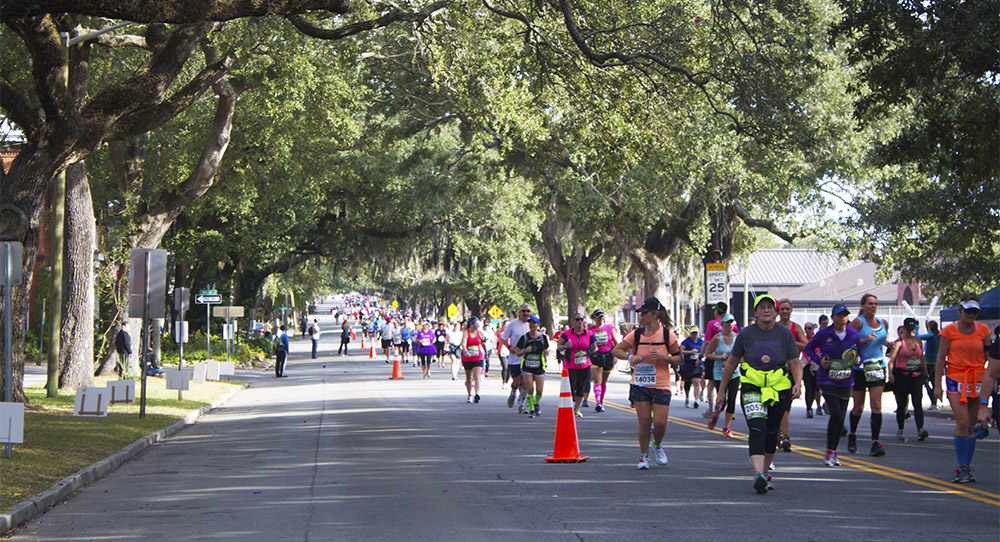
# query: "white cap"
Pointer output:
{"type": "Point", "coordinates": [969, 304]}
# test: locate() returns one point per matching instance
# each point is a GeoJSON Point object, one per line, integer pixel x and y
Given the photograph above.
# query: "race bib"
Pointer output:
{"type": "Point", "coordinates": [580, 357]}
{"type": "Point", "coordinates": [912, 364]}
{"type": "Point", "coordinates": [874, 371]}
{"type": "Point", "coordinates": [472, 351]}
{"type": "Point", "coordinates": [425, 342]}
{"type": "Point", "coordinates": [753, 408]}
{"type": "Point", "coordinates": [601, 338]}
{"type": "Point", "coordinates": [645, 375]}
{"type": "Point", "coordinates": [440, 338]}
{"type": "Point", "coordinates": [839, 369]}
{"type": "Point", "coordinates": [532, 362]}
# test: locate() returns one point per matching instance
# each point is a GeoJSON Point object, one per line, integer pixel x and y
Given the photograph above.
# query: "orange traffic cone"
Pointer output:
{"type": "Point", "coordinates": [397, 373]}
{"type": "Point", "coordinates": [362, 342]}
{"type": "Point", "coordinates": [566, 448]}
{"type": "Point", "coordinates": [371, 353]}
{"type": "Point", "coordinates": [354, 337]}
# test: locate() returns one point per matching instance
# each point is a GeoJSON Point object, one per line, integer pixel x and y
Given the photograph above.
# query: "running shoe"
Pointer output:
{"type": "Point", "coordinates": [521, 409]}
{"type": "Point", "coordinates": [770, 484]}
{"type": "Point", "coordinates": [809, 413]}
{"type": "Point", "coordinates": [786, 444]}
{"type": "Point", "coordinates": [643, 463]}
{"type": "Point", "coordinates": [922, 436]}
{"type": "Point", "coordinates": [695, 405]}
{"type": "Point", "coordinates": [713, 420]}
{"type": "Point", "coordinates": [468, 399]}
{"type": "Point", "coordinates": [510, 398]}
{"type": "Point", "coordinates": [477, 398]}
{"type": "Point", "coordinates": [531, 415]}
{"type": "Point", "coordinates": [826, 409]}
{"type": "Point", "coordinates": [659, 455]}
{"type": "Point", "coordinates": [726, 432]}
{"type": "Point", "coordinates": [599, 408]}
{"type": "Point", "coordinates": [687, 403]}
{"type": "Point", "coordinates": [819, 411]}
{"type": "Point", "coordinates": [901, 437]}
{"type": "Point", "coordinates": [932, 407]}
{"type": "Point", "coordinates": [538, 410]}
{"type": "Point", "coordinates": [760, 483]}
{"type": "Point", "coordinates": [966, 475]}
{"type": "Point", "coordinates": [831, 459]}
{"type": "Point", "coordinates": [585, 404]}
{"type": "Point", "coordinates": [852, 444]}
{"type": "Point", "coordinates": [877, 449]}
{"type": "Point", "coordinates": [578, 413]}
{"type": "Point", "coordinates": [771, 466]}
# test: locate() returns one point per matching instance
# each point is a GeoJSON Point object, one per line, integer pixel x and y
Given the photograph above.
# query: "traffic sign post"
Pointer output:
{"type": "Point", "coordinates": [716, 283]}
{"type": "Point", "coordinates": [182, 302]}
{"type": "Point", "coordinates": [147, 291]}
{"type": "Point", "coordinates": [229, 313]}
{"type": "Point", "coordinates": [208, 298]}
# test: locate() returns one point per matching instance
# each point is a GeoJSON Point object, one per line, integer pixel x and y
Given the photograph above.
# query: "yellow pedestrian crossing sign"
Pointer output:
{"type": "Point", "coordinates": [452, 311]}
{"type": "Point", "coordinates": [495, 312]}
{"type": "Point", "coordinates": [395, 304]}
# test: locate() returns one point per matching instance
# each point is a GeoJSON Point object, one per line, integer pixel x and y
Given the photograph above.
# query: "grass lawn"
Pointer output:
{"type": "Point", "coordinates": [56, 444]}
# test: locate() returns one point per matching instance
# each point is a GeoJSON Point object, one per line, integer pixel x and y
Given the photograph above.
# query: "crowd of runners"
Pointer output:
{"type": "Point", "coordinates": [838, 363]}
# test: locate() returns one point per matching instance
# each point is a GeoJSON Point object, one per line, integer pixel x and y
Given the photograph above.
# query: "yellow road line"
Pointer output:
{"type": "Point", "coordinates": [889, 472]}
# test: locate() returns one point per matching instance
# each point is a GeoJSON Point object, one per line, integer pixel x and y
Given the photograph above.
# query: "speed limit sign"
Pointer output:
{"type": "Point", "coordinates": [716, 283]}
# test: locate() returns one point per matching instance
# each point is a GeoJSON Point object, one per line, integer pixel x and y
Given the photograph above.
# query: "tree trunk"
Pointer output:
{"type": "Point", "coordinates": [542, 293]}
{"type": "Point", "coordinates": [76, 360]}
{"type": "Point", "coordinates": [655, 274]}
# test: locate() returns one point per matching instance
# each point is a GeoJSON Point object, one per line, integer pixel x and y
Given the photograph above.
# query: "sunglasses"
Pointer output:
{"type": "Point", "coordinates": [971, 311]}
{"type": "Point", "coordinates": [578, 319]}
{"type": "Point", "coordinates": [525, 310]}
{"type": "Point", "coordinates": [809, 328]}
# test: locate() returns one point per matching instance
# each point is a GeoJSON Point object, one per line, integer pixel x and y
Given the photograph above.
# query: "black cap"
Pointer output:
{"type": "Point", "coordinates": [597, 314]}
{"type": "Point", "coordinates": [910, 323]}
{"type": "Point", "coordinates": [650, 304]}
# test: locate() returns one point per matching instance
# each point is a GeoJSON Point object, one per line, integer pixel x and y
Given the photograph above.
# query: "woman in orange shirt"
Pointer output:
{"type": "Point", "coordinates": [963, 357]}
{"type": "Point", "coordinates": [650, 351]}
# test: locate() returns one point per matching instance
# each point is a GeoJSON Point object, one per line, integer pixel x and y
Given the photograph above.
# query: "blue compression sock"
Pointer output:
{"type": "Point", "coordinates": [970, 450]}
{"type": "Point", "coordinates": [961, 445]}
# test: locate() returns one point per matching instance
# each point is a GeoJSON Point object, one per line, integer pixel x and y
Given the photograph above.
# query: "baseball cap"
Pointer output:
{"type": "Point", "coordinates": [728, 318]}
{"type": "Point", "coordinates": [910, 323]}
{"type": "Point", "coordinates": [650, 304]}
{"type": "Point", "coordinates": [764, 297]}
{"type": "Point", "coordinates": [693, 330]}
{"type": "Point", "coordinates": [837, 309]}
{"type": "Point", "coordinates": [597, 314]}
{"type": "Point", "coordinates": [534, 319]}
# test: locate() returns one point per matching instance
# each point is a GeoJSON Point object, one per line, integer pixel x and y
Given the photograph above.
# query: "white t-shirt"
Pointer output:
{"type": "Point", "coordinates": [514, 331]}
{"type": "Point", "coordinates": [388, 331]}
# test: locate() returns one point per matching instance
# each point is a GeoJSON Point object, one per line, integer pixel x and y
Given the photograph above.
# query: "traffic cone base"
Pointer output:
{"type": "Point", "coordinates": [566, 448]}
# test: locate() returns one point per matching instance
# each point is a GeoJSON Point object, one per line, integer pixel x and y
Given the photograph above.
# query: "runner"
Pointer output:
{"type": "Point", "coordinates": [691, 369]}
{"type": "Point", "coordinates": [440, 343]}
{"type": "Point", "coordinates": [869, 374]}
{"type": "Point", "coordinates": [455, 348]}
{"type": "Point", "coordinates": [785, 319]}
{"type": "Point", "coordinates": [718, 350]}
{"type": "Point", "coordinates": [502, 352]}
{"type": "Point", "coordinates": [932, 343]}
{"type": "Point", "coordinates": [604, 340]}
{"type": "Point", "coordinates": [425, 348]}
{"type": "Point", "coordinates": [472, 357]}
{"type": "Point", "coordinates": [404, 342]}
{"type": "Point", "coordinates": [511, 335]}
{"type": "Point", "coordinates": [909, 371]}
{"type": "Point", "coordinates": [388, 331]}
{"type": "Point", "coordinates": [532, 347]}
{"type": "Point", "coordinates": [574, 343]}
{"type": "Point", "coordinates": [962, 357]}
{"type": "Point", "coordinates": [713, 328]}
{"type": "Point", "coordinates": [770, 378]}
{"type": "Point", "coordinates": [809, 372]}
{"type": "Point", "coordinates": [835, 349]}
{"type": "Point", "coordinates": [650, 350]}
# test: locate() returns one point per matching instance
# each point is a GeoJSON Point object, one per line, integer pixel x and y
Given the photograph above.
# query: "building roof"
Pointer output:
{"type": "Point", "coordinates": [787, 267]}
{"type": "Point", "coordinates": [847, 285]}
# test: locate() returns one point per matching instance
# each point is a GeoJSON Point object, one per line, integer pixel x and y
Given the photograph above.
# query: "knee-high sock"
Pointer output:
{"type": "Point", "coordinates": [598, 389]}
{"type": "Point", "coordinates": [531, 402]}
{"type": "Point", "coordinates": [855, 420]}
{"type": "Point", "coordinates": [961, 447]}
{"type": "Point", "coordinates": [970, 450]}
{"type": "Point", "coordinates": [876, 425]}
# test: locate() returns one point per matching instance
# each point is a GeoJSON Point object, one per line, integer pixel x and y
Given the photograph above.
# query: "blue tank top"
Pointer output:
{"type": "Point", "coordinates": [720, 364]}
{"type": "Point", "coordinates": [873, 350]}
{"type": "Point", "coordinates": [405, 334]}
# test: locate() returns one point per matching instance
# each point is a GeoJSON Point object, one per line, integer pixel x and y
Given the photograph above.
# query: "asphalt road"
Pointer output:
{"type": "Point", "coordinates": [337, 451]}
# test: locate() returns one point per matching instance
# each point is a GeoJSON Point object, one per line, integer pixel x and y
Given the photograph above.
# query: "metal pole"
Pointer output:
{"type": "Point", "coordinates": [145, 334]}
{"type": "Point", "coordinates": [8, 351]}
{"type": "Point", "coordinates": [208, 332]}
{"type": "Point", "coordinates": [229, 334]}
{"type": "Point", "coordinates": [41, 336]}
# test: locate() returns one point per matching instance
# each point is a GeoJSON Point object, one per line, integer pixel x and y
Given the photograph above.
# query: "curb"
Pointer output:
{"type": "Point", "coordinates": [25, 511]}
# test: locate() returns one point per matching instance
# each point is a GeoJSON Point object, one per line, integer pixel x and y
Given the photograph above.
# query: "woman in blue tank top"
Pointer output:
{"type": "Point", "coordinates": [869, 373]}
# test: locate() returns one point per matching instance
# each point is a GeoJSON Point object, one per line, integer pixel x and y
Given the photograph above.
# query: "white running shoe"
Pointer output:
{"type": "Point", "coordinates": [660, 455]}
{"type": "Point", "coordinates": [643, 463]}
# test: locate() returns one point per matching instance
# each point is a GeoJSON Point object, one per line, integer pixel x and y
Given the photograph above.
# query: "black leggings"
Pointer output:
{"type": "Point", "coordinates": [836, 400]}
{"type": "Point", "coordinates": [812, 388]}
{"type": "Point", "coordinates": [732, 390]}
{"type": "Point", "coordinates": [907, 386]}
{"type": "Point", "coordinates": [343, 345]}
{"type": "Point", "coordinates": [503, 369]}
{"type": "Point", "coordinates": [764, 431]}
{"type": "Point", "coordinates": [579, 381]}
{"type": "Point", "coordinates": [425, 359]}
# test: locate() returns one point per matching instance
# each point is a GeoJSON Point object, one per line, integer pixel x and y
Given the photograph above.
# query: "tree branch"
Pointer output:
{"type": "Point", "coordinates": [768, 225]}
{"type": "Point", "coordinates": [364, 26]}
{"type": "Point", "coordinates": [19, 111]}
{"type": "Point", "coordinates": [169, 12]}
